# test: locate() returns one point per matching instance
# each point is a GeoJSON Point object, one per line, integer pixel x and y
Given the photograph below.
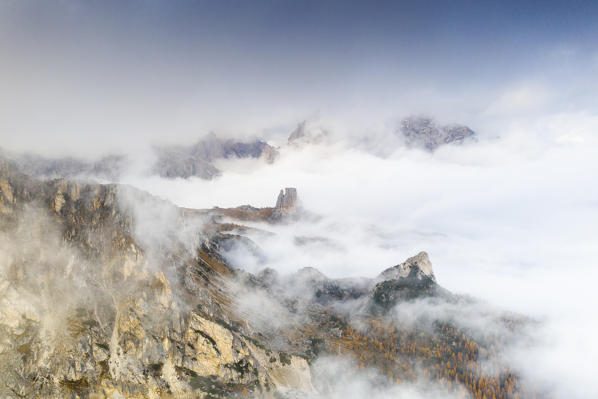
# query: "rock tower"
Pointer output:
{"type": "Point", "coordinates": [286, 204]}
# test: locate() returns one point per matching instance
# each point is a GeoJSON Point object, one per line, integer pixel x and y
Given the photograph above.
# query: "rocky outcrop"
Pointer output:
{"type": "Point", "coordinates": [424, 133]}
{"type": "Point", "coordinates": [418, 266]}
{"type": "Point", "coordinates": [287, 200]}
{"type": "Point", "coordinates": [196, 160]}
{"type": "Point", "coordinates": [87, 309]}
{"type": "Point", "coordinates": [409, 280]}
{"type": "Point", "coordinates": [389, 293]}
{"type": "Point", "coordinates": [286, 205]}
{"type": "Point", "coordinates": [102, 297]}
{"type": "Point", "coordinates": [287, 209]}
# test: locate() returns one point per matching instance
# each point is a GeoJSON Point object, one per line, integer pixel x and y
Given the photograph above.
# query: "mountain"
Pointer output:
{"type": "Point", "coordinates": [307, 132]}
{"type": "Point", "coordinates": [196, 160]}
{"type": "Point", "coordinates": [109, 167]}
{"type": "Point", "coordinates": [287, 208]}
{"type": "Point", "coordinates": [122, 321]}
{"type": "Point", "coordinates": [169, 161]}
{"type": "Point", "coordinates": [424, 133]}
{"type": "Point", "coordinates": [107, 291]}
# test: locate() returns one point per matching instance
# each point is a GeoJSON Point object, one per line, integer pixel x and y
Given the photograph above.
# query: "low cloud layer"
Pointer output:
{"type": "Point", "coordinates": [337, 378]}
{"type": "Point", "coordinates": [508, 220]}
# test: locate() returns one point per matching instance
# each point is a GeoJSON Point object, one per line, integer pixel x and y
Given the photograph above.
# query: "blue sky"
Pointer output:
{"type": "Point", "coordinates": [192, 66]}
{"type": "Point", "coordinates": [456, 34]}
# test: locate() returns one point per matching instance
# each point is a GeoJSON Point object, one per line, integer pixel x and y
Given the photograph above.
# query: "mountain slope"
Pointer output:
{"type": "Point", "coordinates": [109, 292]}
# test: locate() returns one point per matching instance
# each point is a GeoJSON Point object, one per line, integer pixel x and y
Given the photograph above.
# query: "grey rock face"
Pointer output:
{"type": "Point", "coordinates": [409, 280]}
{"type": "Point", "coordinates": [95, 304]}
{"type": "Point", "coordinates": [87, 311]}
{"type": "Point", "coordinates": [196, 160]}
{"type": "Point", "coordinates": [419, 265]}
{"type": "Point", "coordinates": [286, 204]}
{"type": "Point", "coordinates": [388, 293]}
{"type": "Point", "coordinates": [424, 133]}
{"type": "Point", "coordinates": [287, 200]}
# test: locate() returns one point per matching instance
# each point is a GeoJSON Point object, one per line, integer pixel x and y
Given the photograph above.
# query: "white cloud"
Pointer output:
{"type": "Point", "coordinates": [520, 99]}
{"type": "Point", "coordinates": [509, 220]}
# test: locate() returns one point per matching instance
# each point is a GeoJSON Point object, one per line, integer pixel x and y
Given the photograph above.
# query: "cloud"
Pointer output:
{"type": "Point", "coordinates": [519, 100]}
{"type": "Point", "coordinates": [336, 377]}
{"type": "Point", "coordinates": [508, 220]}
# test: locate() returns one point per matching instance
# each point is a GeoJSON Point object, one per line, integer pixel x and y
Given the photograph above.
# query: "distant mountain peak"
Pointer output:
{"type": "Point", "coordinates": [173, 161]}
{"type": "Point", "coordinates": [425, 133]}
{"type": "Point", "coordinates": [287, 209]}
{"type": "Point", "coordinates": [418, 265]}
{"type": "Point", "coordinates": [196, 160]}
{"type": "Point", "coordinates": [286, 204]}
{"type": "Point", "coordinates": [307, 132]}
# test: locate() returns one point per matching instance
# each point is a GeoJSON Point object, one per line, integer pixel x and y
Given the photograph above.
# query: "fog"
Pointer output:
{"type": "Point", "coordinates": [341, 378]}
{"type": "Point", "coordinates": [510, 219]}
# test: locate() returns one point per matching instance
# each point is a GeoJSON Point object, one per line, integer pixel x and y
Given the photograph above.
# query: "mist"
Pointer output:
{"type": "Point", "coordinates": [509, 219]}
{"type": "Point", "coordinates": [342, 378]}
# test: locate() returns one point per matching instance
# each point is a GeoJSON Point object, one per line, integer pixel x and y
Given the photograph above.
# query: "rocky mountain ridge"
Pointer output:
{"type": "Point", "coordinates": [180, 161]}
{"type": "Point", "coordinates": [109, 292]}
{"type": "Point", "coordinates": [425, 133]}
{"type": "Point", "coordinates": [286, 209]}
{"type": "Point", "coordinates": [126, 332]}
{"type": "Point", "coordinates": [199, 159]}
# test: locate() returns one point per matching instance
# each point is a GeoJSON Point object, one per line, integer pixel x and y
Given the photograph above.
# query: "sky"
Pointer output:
{"type": "Point", "coordinates": [76, 73]}
{"type": "Point", "coordinates": [510, 219]}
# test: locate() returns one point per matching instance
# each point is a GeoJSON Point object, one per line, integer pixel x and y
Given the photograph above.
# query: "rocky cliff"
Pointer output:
{"type": "Point", "coordinates": [418, 266]}
{"type": "Point", "coordinates": [106, 291]}
{"type": "Point", "coordinates": [286, 204]}
{"type": "Point", "coordinates": [89, 311]}
{"type": "Point", "coordinates": [425, 133]}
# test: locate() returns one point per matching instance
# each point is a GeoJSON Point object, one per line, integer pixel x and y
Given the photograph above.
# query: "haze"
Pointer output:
{"type": "Point", "coordinates": [510, 219]}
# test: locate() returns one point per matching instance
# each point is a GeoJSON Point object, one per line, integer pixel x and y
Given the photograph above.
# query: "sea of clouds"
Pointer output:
{"type": "Point", "coordinates": [509, 220]}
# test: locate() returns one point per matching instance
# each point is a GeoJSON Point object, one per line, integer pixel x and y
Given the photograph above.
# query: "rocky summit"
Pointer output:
{"type": "Point", "coordinates": [307, 132]}
{"type": "Point", "coordinates": [425, 133]}
{"type": "Point", "coordinates": [108, 292]}
{"type": "Point", "coordinates": [177, 161]}
{"type": "Point", "coordinates": [418, 266]}
{"type": "Point", "coordinates": [286, 209]}
{"type": "Point", "coordinates": [286, 204]}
